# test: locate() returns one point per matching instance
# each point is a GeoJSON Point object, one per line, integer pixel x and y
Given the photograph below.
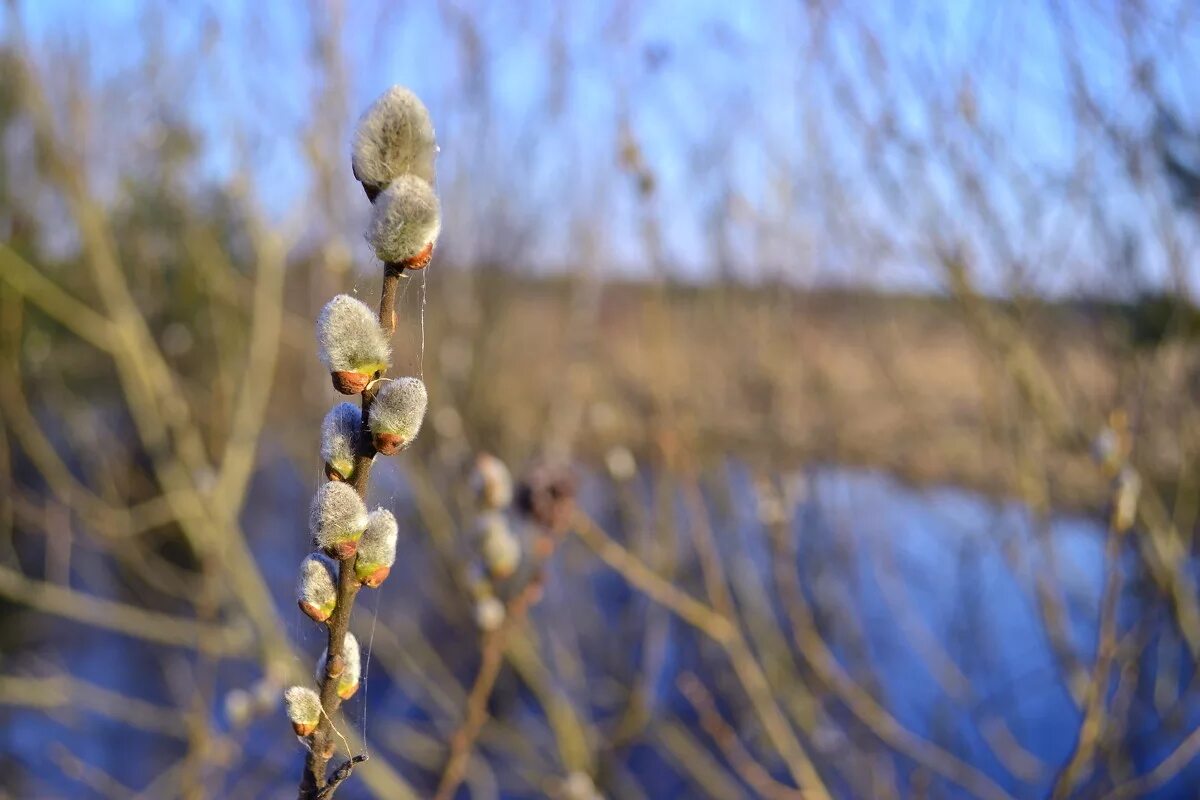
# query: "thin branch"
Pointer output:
{"type": "Point", "coordinates": [1096, 696]}
{"type": "Point", "coordinates": [1167, 769]}
{"type": "Point", "coordinates": [724, 633]}
{"type": "Point", "coordinates": [60, 692]}
{"type": "Point", "coordinates": [72, 314]}
{"type": "Point", "coordinates": [726, 738]}
{"type": "Point", "coordinates": [314, 783]}
{"type": "Point", "coordinates": [869, 711]}
{"type": "Point", "coordinates": [463, 741]}
{"type": "Point", "coordinates": [139, 623]}
{"type": "Point", "coordinates": [339, 775]}
{"type": "Point", "coordinates": [266, 317]}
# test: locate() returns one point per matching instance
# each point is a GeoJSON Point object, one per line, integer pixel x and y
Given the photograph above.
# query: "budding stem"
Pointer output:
{"type": "Point", "coordinates": [317, 761]}
{"type": "Point", "coordinates": [387, 301]}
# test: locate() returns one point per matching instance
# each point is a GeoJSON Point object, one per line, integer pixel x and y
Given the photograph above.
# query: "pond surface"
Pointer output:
{"type": "Point", "coordinates": [927, 597]}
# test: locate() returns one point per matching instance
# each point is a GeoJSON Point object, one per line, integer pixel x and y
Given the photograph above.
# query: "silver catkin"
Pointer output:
{"type": "Point", "coordinates": [337, 515]}
{"type": "Point", "coordinates": [351, 670]}
{"type": "Point", "coordinates": [340, 433]}
{"type": "Point", "coordinates": [303, 708]}
{"type": "Point", "coordinates": [399, 408]}
{"type": "Point", "coordinates": [394, 137]}
{"type": "Point", "coordinates": [316, 591]}
{"type": "Point", "coordinates": [349, 337]}
{"type": "Point", "coordinates": [377, 547]}
{"type": "Point", "coordinates": [407, 219]}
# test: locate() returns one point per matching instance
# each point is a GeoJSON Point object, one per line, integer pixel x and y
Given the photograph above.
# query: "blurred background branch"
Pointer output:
{"type": "Point", "coordinates": [852, 320]}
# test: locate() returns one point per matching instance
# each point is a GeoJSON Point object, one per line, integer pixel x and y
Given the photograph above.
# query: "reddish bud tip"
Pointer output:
{"type": "Point", "coordinates": [315, 613]}
{"type": "Point", "coordinates": [346, 692]}
{"type": "Point", "coordinates": [332, 474]}
{"type": "Point", "coordinates": [420, 260]}
{"type": "Point", "coordinates": [389, 443]}
{"type": "Point", "coordinates": [348, 382]}
{"type": "Point", "coordinates": [303, 729]}
{"type": "Point", "coordinates": [377, 577]}
{"type": "Point", "coordinates": [342, 550]}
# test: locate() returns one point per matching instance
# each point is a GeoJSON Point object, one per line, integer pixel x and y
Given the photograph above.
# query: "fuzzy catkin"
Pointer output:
{"type": "Point", "coordinates": [347, 682]}
{"type": "Point", "coordinates": [397, 412]}
{"type": "Point", "coordinates": [407, 219]}
{"type": "Point", "coordinates": [316, 592]}
{"type": "Point", "coordinates": [303, 709]}
{"type": "Point", "coordinates": [377, 548]}
{"type": "Point", "coordinates": [394, 137]}
{"type": "Point", "coordinates": [499, 549]}
{"type": "Point", "coordinates": [491, 482]}
{"type": "Point", "coordinates": [340, 434]}
{"type": "Point", "coordinates": [337, 519]}
{"type": "Point", "coordinates": [349, 338]}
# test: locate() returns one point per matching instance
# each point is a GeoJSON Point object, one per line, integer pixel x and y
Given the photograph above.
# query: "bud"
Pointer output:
{"type": "Point", "coordinates": [351, 344]}
{"type": "Point", "coordinates": [337, 519]}
{"type": "Point", "coordinates": [547, 496]}
{"type": "Point", "coordinates": [394, 137]}
{"type": "Point", "coordinates": [498, 547]}
{"type": "Point", "coordinates": [405, 223]}
{"type": "Point", "coordinates": [620, 463]}
{"type": "Point", "coordinates": [491, 482]}
{"type": "Point", "coordinates": [316, 593]}
{"type": "Point", "coordinates": [303, 709]}
{"type": "Point", "coordinates": [376, 549]}
{"type": "Point", "coordinates": [239, 707]}
{"type": "Point", "coordinates": [489, 614]}
{"type": "Point", "coordinates": [351, 667]}
{"type": "Point", "coordinates": [397, 413]}
{"type": "Point", "coordinates": [340, 435]}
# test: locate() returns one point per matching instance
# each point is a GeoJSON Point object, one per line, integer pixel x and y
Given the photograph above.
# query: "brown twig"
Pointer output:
{"type": "Point", "coordinates": [314, 783]}
{"type": "Point", "coordinates": [722, 631]}
{"type": "Point", "coordinates": [869, 711]}
{"type": "Point", "coordinates": [341, 774]}
{"type": "Point", "coordinates": [726, 738]}
{"type": "Point", "coordinates": [492, 659]}
{"type": "Point", "coordinates": [1094, 712]}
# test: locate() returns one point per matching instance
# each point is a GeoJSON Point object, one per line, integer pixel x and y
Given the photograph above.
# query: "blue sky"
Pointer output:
{"type": "Point", "coordinates": [742, 111]}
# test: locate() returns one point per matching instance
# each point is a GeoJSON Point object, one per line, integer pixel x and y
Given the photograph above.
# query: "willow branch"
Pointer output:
{"type": "Point", "coordinates": [462, 743]}
{"type": "Point", "coordinates": [314, 783]}
{"type": "Point", "coordinates": [719, 628]}
{"type": "Point", "coordinates": [111, 615]}
{"type": "Point", "coordinates": [1094, 715]}
{"type": "Point", "coordinates": [726, 738]}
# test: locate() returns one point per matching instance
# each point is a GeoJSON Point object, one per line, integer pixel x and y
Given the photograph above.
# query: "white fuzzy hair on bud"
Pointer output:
{"type": "Point", "coordinates": [491, 482]}
{"type": "Point", "coordinates": [337, 519]}
{"type": "Point", "coordinates": [397, 413]}
{"type": "Point", "coordinates": [406, 222]}
{"type": "Point", "coordinates": [498, 547]}
{"type": "Point", "coordinates": [350, 342]}
{"type": "Point", "coordinates": [394, 137]}
{"type": "Point", "coordinates": [316, 592]}
{"type": "Point", "coordinates": [303, 709]}
{"type": "Point", "coordinates": [377, 548]}
{"type": "Point", "coordinates": [347, 680]}
{"type": "Point", "coordinates": [340, 434]}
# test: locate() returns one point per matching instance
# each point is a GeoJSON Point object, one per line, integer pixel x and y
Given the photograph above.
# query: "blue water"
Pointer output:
{"type": "Point", "coordinates": [883, 565]}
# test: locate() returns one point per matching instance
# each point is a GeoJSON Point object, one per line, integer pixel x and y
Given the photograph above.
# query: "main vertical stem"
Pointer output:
{"type": "Point", "coordinates": [323, 742]}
